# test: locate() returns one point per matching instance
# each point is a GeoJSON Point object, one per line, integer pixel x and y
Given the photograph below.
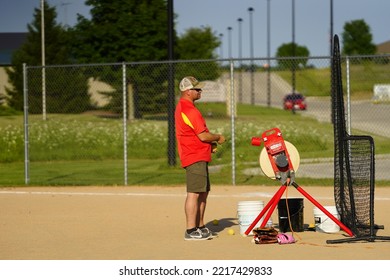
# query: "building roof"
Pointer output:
{"type": "Point", "coordinates": [9, 42]}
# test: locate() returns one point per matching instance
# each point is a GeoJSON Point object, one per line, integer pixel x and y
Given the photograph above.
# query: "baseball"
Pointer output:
{"type": "Point", "coordinates": [215, 222]}
{"type": "Point", "coordinates": [231, 231]}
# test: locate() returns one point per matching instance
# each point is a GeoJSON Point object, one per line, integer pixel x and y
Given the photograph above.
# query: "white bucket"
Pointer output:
{"type": "Point", "coordinates": [247, 212]}
{"type": "Point", "coordinates": [323, 223]}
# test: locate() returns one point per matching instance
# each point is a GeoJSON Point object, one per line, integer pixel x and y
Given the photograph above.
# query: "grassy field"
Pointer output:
{"type": "Point", "coordinates": [87, 150]}
{"type": "Point", "coordinates": [362, 77]}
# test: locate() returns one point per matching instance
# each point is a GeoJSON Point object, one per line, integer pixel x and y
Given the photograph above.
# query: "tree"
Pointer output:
{"type": "Point", "coordinates": [357, 38]}
{"type": "Point", "coordinates": [57, 52]}
{"type": "Point", "coordinates": [287, 50]}
{"type": "Point", "coordinates": [127, 31]}
{"type": "Point", "coordinates": [198, 43]}
{"type": "Point", "coordinates": [122, 30]}
{"type": "Point", "coordinates": [135, 31]}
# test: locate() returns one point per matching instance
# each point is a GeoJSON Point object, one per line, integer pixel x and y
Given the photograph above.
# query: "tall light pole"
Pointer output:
{"type": "Point", "coordinates": [293, 46]}
{"type": "Point", "coordinates": [43, 59]}
{"type": "Point", "coordinates": [268, 54]}
{"type": "Point", "coordinates": [230, 41]}
{"type": "Point", "coordinates": [250, 10]}
{"type": "Point", "coordinates": [240, 57]}
{"type": "Point", "coordinates": [331, 27]}
{"type": "Point", "coordinates": [293, 53]}
{"type": "Point", "coordinates": [221, 47]}
{"type": "Point", "coordinates": [331, 53]}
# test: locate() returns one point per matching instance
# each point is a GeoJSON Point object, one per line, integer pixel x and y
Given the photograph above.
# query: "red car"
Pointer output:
{"type": "Point", "coordinates": [294, 100]}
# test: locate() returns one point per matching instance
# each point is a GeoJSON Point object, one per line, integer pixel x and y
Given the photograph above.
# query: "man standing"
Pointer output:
{"type": "Point", "coordinates": [195, 147]}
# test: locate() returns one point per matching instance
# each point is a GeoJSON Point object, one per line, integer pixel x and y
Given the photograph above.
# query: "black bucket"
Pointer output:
{"type": "Point", "coordinates": [295, 210]}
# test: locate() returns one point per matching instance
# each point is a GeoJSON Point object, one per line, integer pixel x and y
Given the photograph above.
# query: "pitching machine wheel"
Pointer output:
{"type": "Point", "coordinates": [265, 164]}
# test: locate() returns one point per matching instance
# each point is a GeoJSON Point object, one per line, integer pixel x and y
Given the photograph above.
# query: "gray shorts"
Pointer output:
{"type": "Point", "coordinates": [197, 176]}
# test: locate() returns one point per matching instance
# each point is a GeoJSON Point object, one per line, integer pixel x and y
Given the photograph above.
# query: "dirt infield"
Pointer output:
{"type": "Point", "coordinates": [147, 223]}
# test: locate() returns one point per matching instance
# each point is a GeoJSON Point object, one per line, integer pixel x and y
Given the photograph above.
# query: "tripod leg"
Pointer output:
{"type": "Point", "coordinates": [326, 212]}
{"type": "Point", "coordinates": [272, 203]}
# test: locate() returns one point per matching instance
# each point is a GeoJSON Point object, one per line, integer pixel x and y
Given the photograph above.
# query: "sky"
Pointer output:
{"type": "Point", "coordinates": [312, 21]}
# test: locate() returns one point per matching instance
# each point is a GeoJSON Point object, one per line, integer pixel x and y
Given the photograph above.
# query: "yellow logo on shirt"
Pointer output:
{"type": "Point", "coordinates": [186, 120]}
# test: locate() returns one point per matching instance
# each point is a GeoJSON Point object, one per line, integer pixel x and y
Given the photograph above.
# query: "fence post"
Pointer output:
{"type": "Point", "coordinates": [124, 122]}
{"type": "Point", "coordinates": [25, 122]}
{"type": "Point", "coordinates": [232, 114]}
{"type": "Point", "coordinates": [348, 100]}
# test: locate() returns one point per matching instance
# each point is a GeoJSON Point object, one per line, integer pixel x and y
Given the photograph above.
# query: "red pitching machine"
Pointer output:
{"type": "Point", "coordinates": [279, 159]}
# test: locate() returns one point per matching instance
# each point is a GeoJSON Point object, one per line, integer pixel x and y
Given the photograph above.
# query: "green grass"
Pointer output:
{"type": "Point", "coordinates": [87, 150]}
{"type": "Point", "coordinates": [316, 82]}
{"type": "Point", "coordinates": [310, 82]}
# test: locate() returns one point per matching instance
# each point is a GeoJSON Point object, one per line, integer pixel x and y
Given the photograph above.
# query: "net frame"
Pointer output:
{"type": "Point", "coordinates": [354, 166]}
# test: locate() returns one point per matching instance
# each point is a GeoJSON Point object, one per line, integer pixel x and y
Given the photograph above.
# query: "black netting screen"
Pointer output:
{"type": "Point", "coordinates": [353, 163]}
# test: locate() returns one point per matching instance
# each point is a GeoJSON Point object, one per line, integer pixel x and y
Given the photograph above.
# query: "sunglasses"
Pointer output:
{"type": "Point", "coordinates": [197, 89]}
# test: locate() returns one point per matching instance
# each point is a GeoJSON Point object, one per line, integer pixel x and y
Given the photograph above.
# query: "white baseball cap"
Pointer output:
{"type": "Point", "coordinates": [190, 82]}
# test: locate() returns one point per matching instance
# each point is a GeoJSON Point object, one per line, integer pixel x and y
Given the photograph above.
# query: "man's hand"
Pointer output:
{"type": "Point", "coordinates": [221, 139]}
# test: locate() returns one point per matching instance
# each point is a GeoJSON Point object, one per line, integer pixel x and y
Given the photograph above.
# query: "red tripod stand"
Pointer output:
{"type": "Point", "coordinates": [281, 167]}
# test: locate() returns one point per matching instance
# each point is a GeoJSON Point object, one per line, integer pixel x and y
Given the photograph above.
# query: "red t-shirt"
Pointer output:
{"type": "Point", "coordinates": [189, 123]}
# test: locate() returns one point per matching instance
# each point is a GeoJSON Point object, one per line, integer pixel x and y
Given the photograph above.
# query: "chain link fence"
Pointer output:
{"type": "Point", "coordinates": [111, 124]}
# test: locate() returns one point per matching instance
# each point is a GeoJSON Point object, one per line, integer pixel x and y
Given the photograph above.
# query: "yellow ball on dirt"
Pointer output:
{"type": "Point", "coordinates": [231, 231]}
{"type": "Point", "coordinates": [215, 222]}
